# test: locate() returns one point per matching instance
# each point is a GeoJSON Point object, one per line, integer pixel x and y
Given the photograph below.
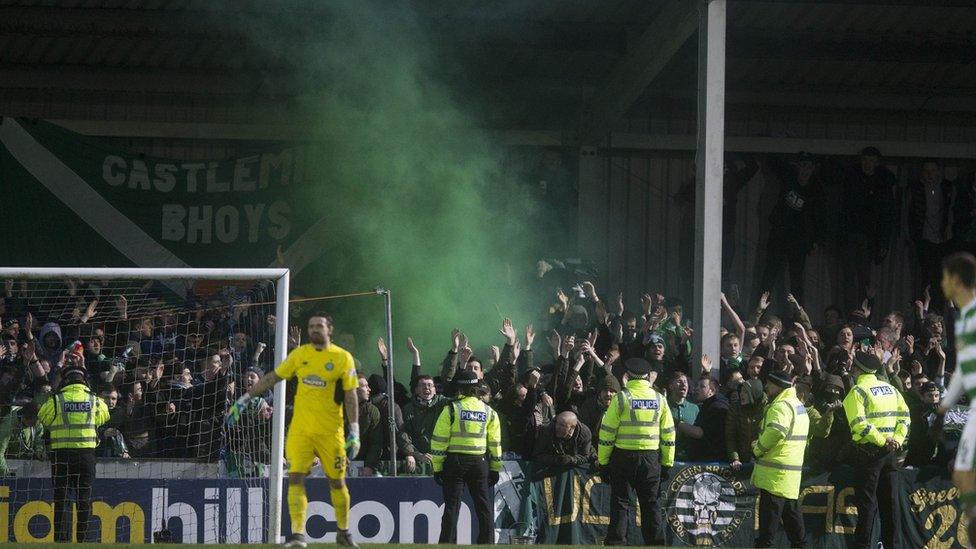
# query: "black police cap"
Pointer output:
{"type": "Point", "coordinates": [867, 362]}
{"type": "Point", "coordinates": [638, 366]}
{"type": "Point", "coordinates": [466, 377]}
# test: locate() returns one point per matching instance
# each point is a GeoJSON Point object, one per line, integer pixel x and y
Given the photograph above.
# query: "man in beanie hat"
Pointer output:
{"type": "Point", "coordinates": [826, 400]}
{"type": "Point", "coordinates": [879, 420]}
{"type": "Point", "coordinates": [466, 430]}
{"type": "Point", "coordinates": [743, 422]}
{"type": "Point", "coordinates": [830, 434]}
{"type": "Point", "coordinates": [636, 450]}
{"type": "Point", "coordinates": [779, 460]}
{"type": "Point", "coordinates": [595, 405]}
{"type": "Point", "coordinates": [72, 416]}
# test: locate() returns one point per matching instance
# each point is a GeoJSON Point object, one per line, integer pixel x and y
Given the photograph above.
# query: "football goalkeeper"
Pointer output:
{"type": "Point", "coordinates": [326, 380]}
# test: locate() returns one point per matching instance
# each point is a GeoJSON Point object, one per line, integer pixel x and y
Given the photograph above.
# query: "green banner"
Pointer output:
{"type": "Point", "coordinates": [712, 505]}
{"type": "Point", "coordinates": [100, 205]}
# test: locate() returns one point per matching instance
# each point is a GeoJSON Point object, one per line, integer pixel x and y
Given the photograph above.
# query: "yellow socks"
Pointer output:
{"type": "Point", "coordinates": [297, 504]}
{"type": "Point", "coordinates": [340, 500]}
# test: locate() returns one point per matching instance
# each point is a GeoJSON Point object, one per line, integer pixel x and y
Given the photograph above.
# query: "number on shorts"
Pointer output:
{"type": "Point", "coordinates": [339, 463]}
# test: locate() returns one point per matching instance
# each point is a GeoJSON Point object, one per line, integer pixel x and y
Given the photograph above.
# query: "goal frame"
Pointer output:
{"type": "Point", "coordinates": [280, 276]}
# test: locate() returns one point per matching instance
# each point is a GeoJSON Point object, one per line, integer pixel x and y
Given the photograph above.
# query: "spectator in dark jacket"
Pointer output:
{"type": "Point", "coordinates": [964, 214]}
{"type": "Point", "coordinates": [565, 442]}
{"type": "Point", "coordinates": [371, 430]}
{"type": "Point", "coordinates": [743, 421]}
{"type": "Point", "coordinates": [739, 170]}
{"type": "Point", "coordinates": [420, 415]}
{"type": "Point", "coordinates": [871, 221]}
{"type": "Point", "coordinates": [708, 433]}
{"type": "Point", "coordinates": [379, 398]}
{"type": "Point", "coordinates": [925, 429]}
{"type": "Point", "coordinates": [593, 408]}
{"type": "Point", "coordinates": [929, 200]}
{"type": "Point", "coordinates": [794, 221]}
{"type": "Point", "coordinates": [208, 403]}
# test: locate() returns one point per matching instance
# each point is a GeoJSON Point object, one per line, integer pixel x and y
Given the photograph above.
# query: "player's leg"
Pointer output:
{"type": "Point", "coordinates": [964, 472]}
{"type": "Point", "coordinates": [300, 453]}
{"type": "Point", "coordinates": [332, 453]}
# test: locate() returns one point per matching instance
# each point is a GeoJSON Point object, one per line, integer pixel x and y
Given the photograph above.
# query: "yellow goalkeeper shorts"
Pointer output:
{"type": "Point", "coordinates": [301, 450]}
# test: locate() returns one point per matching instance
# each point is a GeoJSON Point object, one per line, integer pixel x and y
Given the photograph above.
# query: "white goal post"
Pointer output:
{"type": "Point", "coordinates": [172, 277]}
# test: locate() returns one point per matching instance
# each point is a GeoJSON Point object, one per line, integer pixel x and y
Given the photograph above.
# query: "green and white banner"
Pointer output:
{"type": "Point", "coordinates": [72, 200]}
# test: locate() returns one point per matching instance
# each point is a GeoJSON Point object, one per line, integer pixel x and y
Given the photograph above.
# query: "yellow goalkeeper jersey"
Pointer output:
{"type": "Point", "coordinates": [323, 376]}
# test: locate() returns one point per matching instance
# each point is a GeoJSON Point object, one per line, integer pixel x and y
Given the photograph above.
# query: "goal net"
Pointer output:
{"type": "Point", "coordinates": [168, 350]}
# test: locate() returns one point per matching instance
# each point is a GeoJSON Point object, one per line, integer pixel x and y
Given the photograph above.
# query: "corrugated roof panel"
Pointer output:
{"type": "Point", "coordinates": [19, 50]}
{"type": "Point", "coordinates": [743, 14]}
{"type": "Point", "coordinates": [136, 56]}
{"type": "Point", "coordinates": [198, 52]}
{"type": "Point", "coordinates": [57, 50]}
{"type": "Point", "coordinates": [79, 51]}
{"type": "Point", "coordinates": [102, 48]}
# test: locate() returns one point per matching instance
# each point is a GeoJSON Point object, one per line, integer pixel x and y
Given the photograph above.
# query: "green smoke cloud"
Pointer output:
{"type": "Point", "coordinates": [418, 198]}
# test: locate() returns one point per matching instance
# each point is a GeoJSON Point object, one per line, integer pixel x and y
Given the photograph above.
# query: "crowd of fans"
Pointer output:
{"type": "Point", "coordinates": [166, 372]}
{"type": "Point", "coordinates": [552, 407]}
{"type": "Point", "coordinates": [169, 372]}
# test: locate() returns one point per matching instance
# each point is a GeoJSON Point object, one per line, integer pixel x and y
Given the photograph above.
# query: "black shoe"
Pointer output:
{"type": "Point", "coordinates": [345, 538]}
{"type": "Point", "coordinates": [296, 540]}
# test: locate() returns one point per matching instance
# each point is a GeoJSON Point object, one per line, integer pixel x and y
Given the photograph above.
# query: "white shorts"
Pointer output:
{"type": "Point", "coordinates": [966, 452]}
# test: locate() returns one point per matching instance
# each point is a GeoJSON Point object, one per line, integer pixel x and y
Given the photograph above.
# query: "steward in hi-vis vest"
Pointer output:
{"type": "Point", "coordinates": [879, 422]}
{"type": "Point", "coordinates": [466, 449]}
{"type": "Point", "coordinates": [779, 460]}
{"type": "Point", "coordinates": [636, 449]}
{"type": "Point", "coordinates": [72, 417]}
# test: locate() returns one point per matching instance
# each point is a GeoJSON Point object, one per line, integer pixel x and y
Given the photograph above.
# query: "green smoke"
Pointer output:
{"type": "Point", "coordinates": [418, 198]}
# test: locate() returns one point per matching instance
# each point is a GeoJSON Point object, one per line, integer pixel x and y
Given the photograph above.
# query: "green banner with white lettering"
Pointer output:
{"type": "Point", "coordinates": [73, 200]}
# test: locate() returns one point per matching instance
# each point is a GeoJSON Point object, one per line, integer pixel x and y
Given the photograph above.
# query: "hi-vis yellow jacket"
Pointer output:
{"type": "Point", "coordinates": [638, 418]}
{"type": "Point", "coordinates": [876, 411]}
{"type": "Point", "coordinates": [72, 416]}
{"type": "Point", "coordinates": [467, 426]}
{"type": "Point", "coordinates": [781, 445]}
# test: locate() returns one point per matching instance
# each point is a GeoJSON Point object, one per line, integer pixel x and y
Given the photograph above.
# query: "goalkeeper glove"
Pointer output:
{"type": "Point", "coordinates": [234, 413]}
{"type": "Point", "coordinates": [352, 441]}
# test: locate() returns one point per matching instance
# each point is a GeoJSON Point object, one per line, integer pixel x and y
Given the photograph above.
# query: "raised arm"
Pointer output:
{"type": "Point", "coordinates": [450, 363]}
{"type": "Point", "coordinates": [760, 309]}
{"type": "Point", "coordinates": [263, 385]}
{"type": "Point", "coordinates": [740, 328]}
{"type": "Point", "coordinates": [415, 366]}
{"type": "Point", "coordinates": [953, 393]}
{"type": "Point", "coordinates": [799, 314]}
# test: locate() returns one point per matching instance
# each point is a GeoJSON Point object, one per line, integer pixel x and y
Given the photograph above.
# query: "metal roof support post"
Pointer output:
{"type": "Point", "coordinates": [709, 165]}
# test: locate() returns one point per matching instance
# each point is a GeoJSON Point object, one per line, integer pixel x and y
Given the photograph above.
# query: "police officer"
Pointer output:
{"type": "Point", "coordinates": [779, 460]}
{"type": "Point", "coordinates": [71, 416]}
{"type": "Point", "coordinates": [464, 447]}
{"type": "Point", "coordinates": [879, 423]}
{"type": "Point", "coordinates": [636, 449]}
